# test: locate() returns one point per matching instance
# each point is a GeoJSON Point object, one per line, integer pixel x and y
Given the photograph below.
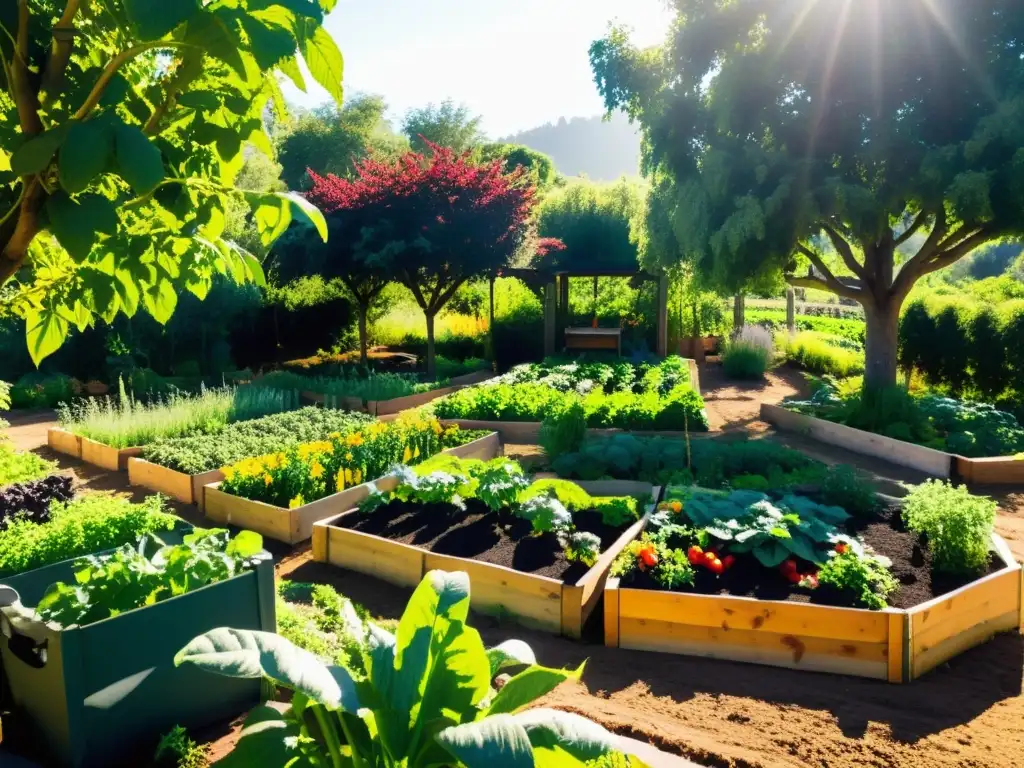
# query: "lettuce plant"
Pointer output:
{"type": "Point", "coordinates": [427, 698]}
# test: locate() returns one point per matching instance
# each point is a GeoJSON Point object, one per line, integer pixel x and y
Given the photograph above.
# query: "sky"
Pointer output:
{"type": "Point", "coordinates": [517, 63]}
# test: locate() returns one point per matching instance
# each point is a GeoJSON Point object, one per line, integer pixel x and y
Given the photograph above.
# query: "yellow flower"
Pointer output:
{"type": "Point", "coordinates": [417, 454]}
{"type": "Point", "coordinates": [340, 480]}
{"type": "Point", "coordinates": [317, 470]}
{"type": "Point", "coordinates": [407, 455]}
{"type": "Point", "coordinates": [357, 476]}
{"type": "Point", "coordinates": [436, 426]}
{"type": "Point", "coordinates": [297, 502]}
{"type": "Point", "coordinates": [348, 456]}
{"type": "Point", "coordinates": [335, 436]}
{"type": "Point", "coordinates": [268, 479]}
{"type": "Point", "coordinates": [348, 477]}
{"type": "Point", "coordinates": [229, 473]}
{"type": "Point", "coordinates": [355, 439]}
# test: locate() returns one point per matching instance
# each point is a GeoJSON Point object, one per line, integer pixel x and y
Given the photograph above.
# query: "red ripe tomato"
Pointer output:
{"type": "Point", "coordinates": [695, 555]}
{"type": "Point", "coordinates": [717, 567]}
{"type": "Point", "coordinates": [648, 557]}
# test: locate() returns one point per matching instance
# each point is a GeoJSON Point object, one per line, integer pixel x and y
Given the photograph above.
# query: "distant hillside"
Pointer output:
{"type": "Point", "coordinates": [587, 145]}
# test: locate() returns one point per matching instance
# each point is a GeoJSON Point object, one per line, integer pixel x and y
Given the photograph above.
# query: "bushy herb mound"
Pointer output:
{"type": "Point", "coordinates": [21, 466]}
{"type": "Point", "coordinates": [129, 578]}
{"type": "Point", "coordinates": [620, 395]}
{"type": "Point", "coordinates": [31, 501]}
{"type": "Point", "coordinates": [964, 428]}
{"type": "Point", "coordinates": [958, 525]}
{"type": "Point", "coordinates": [822, 353]}
{"type": "Point", "coordinates": [91, 524]}
{"type": "Point", "coordinates": [258, 437]}
{"type": "Point", "coordinates": [749, 355]}
{"type": "Point", "coordinates": [357, 384]}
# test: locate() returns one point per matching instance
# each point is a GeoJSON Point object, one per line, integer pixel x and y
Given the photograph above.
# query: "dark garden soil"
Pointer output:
{"type": "Point", "coordinates": [886, 535]}
{"type": "Point", "coordinates": [479, 534]}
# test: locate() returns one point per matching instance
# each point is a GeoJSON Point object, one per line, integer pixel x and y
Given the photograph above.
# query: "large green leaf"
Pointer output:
{"type": "Point", "coordinates": [46, 330]}
{"type": "Point", "coordinates": [583, 739]}
{"type": "Point", "coordinates": [85, 154]}
{"type": "Point", "coordinates": [155, 18]}
{"type": "Point", "coordinates": [496, 742]}
{"type": "Point", "coordinates": [35, 154]}
{"type": "Point", "coordinates": [771, 553]}
{"type": "Point", "coordinates": [528, 686]}
{"type": "Point", "coordinates": [249, 654]}
{"type": "Point", "coordinates": [325, 62]}
{"type": "Point", "coordinates": [138, 159]}
{"type": "Point", "coordinates": [77, 224]}
{"type": "Point", "coordinates": [268, 740]}
{"type": "Point", "coordinates": [160, 300]}
{"type": "Point", "coordinates": [272, 35]}
{"type": "Point", "coordinates": [272, 215]}
{"type": "Point", "coordinates": [307, 210]}
{"type": "Point", "coordinates": [511, 653]}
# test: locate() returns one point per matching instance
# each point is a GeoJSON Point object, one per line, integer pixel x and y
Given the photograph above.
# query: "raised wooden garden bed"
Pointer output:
{"type": "Point", "coordinates": [537, 601]}
{"type": "Point", "coordinates": [1003, 470]}
{"type": "Point", "coordinates": [397, 404]}
{"type": "Point", "coordinates": [99, 693]}
{"type": "Point", "coordinates": [89, 451]}
{"type": "Point", "coordinates": [894, 645]}
{"type": "Point", "coordinates": [293, 526]}
{"type": "Point", "coordinates": [187, 489]}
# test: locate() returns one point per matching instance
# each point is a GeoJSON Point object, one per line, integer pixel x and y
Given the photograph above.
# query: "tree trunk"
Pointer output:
{"type": "Point", "coordinates": [739, 312]}
{"type": "Point", "coordinates": [431, 360]}
{"type": "Point", "coordinates": [364, 357]}
{"type": "Point", "coordinates": [882, 339]}
{"type": "Point", "coordinates": [791, 310]}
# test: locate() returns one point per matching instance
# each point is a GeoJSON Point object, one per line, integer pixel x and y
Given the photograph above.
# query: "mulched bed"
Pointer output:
{"type": "Point", "coordinates": [479, 534]}
{"type": "Point", "coordinates": [886, 535]}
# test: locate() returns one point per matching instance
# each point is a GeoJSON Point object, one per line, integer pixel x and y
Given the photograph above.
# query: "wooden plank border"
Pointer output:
{"type": "Point", "coordinates": [893, 645]}
{"type": "Point", "coordinates": [535, 601]}
{"type": "Point", "coordinates": [105, 457]}
{"type": "Point", "coordinates": [187, 489]}
{"type": "Point", "coordinates": [62, 441]}
{"type": "Point", "coordinates": [293, 526]}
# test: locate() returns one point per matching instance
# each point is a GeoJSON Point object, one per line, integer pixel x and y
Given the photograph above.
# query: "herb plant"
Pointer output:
{"type": "Point", "coordinates": [107, 585]}
{"type": "Point", "coordinates": [427, 696]}
{"type": "Point", "coordinates": [749, 355]}
{"type": "Point", "coordinates": [958, 525]}
{"type": "Point", "coordinates": [90, 524]}
{"type": "Point", "coordinates": [616, 512]}
{"type": "Point", "coordinates": [499, 484]}
{"type": "Point", "coordinates": [546, 514]}
{"type": "Point", "coordinates": [583, 547]}
{"type": "Point", "coordinates": [650, 554]}
{"type": "Point", "coordinates": [867, 580]}
{"type": "Point", "coordinates": [21, 466]}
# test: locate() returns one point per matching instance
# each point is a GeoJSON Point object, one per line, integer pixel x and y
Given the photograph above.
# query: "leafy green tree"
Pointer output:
{"type": "Point", "coordinates": [539, 166]}
{"type": "Point", "coordinates": [122, 126]}
{"type": "Point", "coordinates": [785, 126]}
{"type": "Point", "coordinates": [445, 125]}
{"type": "Point", "coordinates": [329, 140]}
{"type": "Point", "coordinates": [595, 222]}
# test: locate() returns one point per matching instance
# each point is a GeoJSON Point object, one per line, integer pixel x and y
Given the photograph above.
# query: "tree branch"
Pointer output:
{"type": "Point", "coordinates": [15, 251]}
{"type": "Point", "coordinates": [844, 250]}
{"type": "Point", "coordinates": [60, 50]}
{"type": "Point", "coordinates": [915, 225]}
{"type": "Point", "coordinates": [188, 70]}
{"type": "Point", "coordinates": [24, 96]}
{"type": "Point", "coordinates": [830, 281]}
{"type": "Point", "coordinates": [918, 267]}
{"type": "Point", "coordinates": [821, 285]}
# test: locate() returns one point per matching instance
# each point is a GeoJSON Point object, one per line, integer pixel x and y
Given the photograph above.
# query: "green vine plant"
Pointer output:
{"type": "Point", "coordinates": [123, 124]}
{"type": "Point", "coordinates": [429, 695]}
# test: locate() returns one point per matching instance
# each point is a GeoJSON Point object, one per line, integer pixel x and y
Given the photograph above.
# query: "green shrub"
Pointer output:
{"type": "Point", "coordinates": [988, 354]}
{"type": "Point", "coordinates": [852, 329]}
{"type": "Point", "coordinates": [820, 354]}
{"type": "Point", "coordinates": [88, 525]}
{"type": "Point", "coordinates": [749, 355]}
{"type": "Point", "coordinates": [958, 525]}
{"type": "Point", "coordinates": [563, 430]}
{"type": "Point", "coordinates": [36, 390]}
{"type": "Point", "coordinates": [864, 579]}
{"type": "Point", "coordinates": [843, 487]}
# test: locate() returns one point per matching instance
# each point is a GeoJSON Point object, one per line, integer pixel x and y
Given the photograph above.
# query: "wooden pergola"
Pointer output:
{"type": "Point", "coordinates": [553, 288]}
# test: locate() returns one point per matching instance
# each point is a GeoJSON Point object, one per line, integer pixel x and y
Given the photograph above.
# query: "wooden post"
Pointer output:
{"type": "Point", "coordinates": [550, 318]}
{"type": "Point", "coordinates": [663, 316]}
{"type": "Point", "coordinates": [490, 326]}
{"type": "Point", "coordinates": [791, 309]}
{"type": "Point", "coordinates": [739, 312]}
{"type": "Point", "coordinates": [563, 310]}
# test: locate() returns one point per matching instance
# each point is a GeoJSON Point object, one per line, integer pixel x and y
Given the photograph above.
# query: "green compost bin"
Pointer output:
{"type": "Point", "coordinates": [99, 694]}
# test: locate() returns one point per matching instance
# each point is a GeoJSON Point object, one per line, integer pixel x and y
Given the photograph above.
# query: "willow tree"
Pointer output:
{"type": "Point", "coordinates": [815, 138]}
{"type": "Point", "coordinates": [122, 126]}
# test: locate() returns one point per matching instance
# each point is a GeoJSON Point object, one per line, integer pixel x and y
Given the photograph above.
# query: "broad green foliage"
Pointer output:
{"type": "Point", "coordinates": [93, 523]}
{"type": "Point", "coordinates": [127, 422]}
{"type": "Point", "coordinates": [750, 523]}
{"type": "Point", "coordinates": [107, 585]}
{"type": "Point", "coordinates": [256, 437]}
{"type": "Point", "coordinates": [540, 168]}
{"type": "Point", "coordinates": [423, 696]}
{"type": "Point", "coordinates": [595, 222]}
{"type": "Point", "coordinates": [943, 423]}
{"type": "Point", "coordinates": [958, 525]}
{"type": "Point", "coordinates": [5, 396]}
{"type": "Point", "coordinates": [123, 125]}
{"type": "Point", "coordinates": [784, 146]}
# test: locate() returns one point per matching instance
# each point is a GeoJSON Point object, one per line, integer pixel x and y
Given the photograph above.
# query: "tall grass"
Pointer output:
{"type": "Point", "coordinates": [749, 354]}
{"type": "Point", "coordinates": [822, 354]}
{"type": "Point", "coordinates": [125, 422]}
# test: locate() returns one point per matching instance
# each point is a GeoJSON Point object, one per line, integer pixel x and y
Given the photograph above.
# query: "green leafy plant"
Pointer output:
{"type": "Point", "coordinates": [572, 496]}
{"type": "Point", "coordinates": [546, 514]}
{"type": "Point", "coordinates": [616, 512]}
{"type": "Point", "coordinates": [93, 523]}
{"type": "Point", "coordinates": [843, 487]}
{"type": "Point", "coordinates": [667, 565]}
{"type": "Point", "coordinates": [177, 750]}
{"type": "Point", "coordinates": [582, 547]}
{"type": "Point", "coordinates": [106, 585]}
{"type": "Point", "coordinates": [563, 429]}
{"type": "Point", "coordinates": [749, 355]}
{"type": "Point", "coordinates": [428, 696]}
{"type": "Point", "coordinates": [863, 577]}
{"type": "Point", "coordinates": [822, 354]}
{"type": "Point", "coordinates": [958, 525]}
{"type": "Point", "coordinates": [21, 466]}
{"type": "Point", "coordinates": [499, 483]}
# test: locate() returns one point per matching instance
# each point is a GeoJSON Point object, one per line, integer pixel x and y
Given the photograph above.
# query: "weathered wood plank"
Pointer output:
{"type": "Point", "coordinates": [958, 613]}
{"type": "Point", "coordinates": [272, 522]}
{"type": "Point", "coordinates": [905, 454]}
{"type": "Point", "coordinates": [105, 457]}
{"type": "Point", "coordinates": [64, 442]}
{"type": "Point", "coordinates": [160, 479]}
{"type": "Point", "coordinates": [929, 659]}
{"type": "Point", "coordinates": [611, 613]}
{"type": "Point", "coordinates": [389, 561]}
{"type": "Point", "coordinates": [898, 626]}
{"type": "Point", "coordinates": [735, 613]}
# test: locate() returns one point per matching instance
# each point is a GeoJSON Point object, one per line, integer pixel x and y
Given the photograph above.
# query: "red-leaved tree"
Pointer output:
{"type": "Point", "coordinates": [430, 222]}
